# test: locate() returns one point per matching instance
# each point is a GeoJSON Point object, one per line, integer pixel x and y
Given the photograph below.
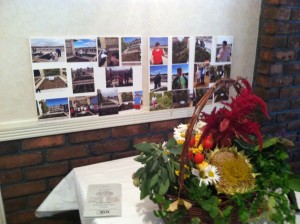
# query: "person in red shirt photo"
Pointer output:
{"type": "Point", "coordinates": [157, 54]}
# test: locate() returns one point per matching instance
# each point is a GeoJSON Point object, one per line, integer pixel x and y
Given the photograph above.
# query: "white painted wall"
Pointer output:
{"type": "Point", "coordinates": [22, 19]}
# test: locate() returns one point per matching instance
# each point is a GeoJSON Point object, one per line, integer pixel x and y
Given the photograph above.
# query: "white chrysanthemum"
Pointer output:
{"type": "Point", "coordinates": [199, 126]}
{"type": "Point", "coordinates": [179, 132]}
{"type": "Point", "coordinates": [209, 175]}
{"type": "Point", "coordinates": [164, 145]}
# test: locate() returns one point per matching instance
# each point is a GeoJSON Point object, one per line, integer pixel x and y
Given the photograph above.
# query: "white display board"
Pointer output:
{"type": "Point", "coordinates": [22, 20]}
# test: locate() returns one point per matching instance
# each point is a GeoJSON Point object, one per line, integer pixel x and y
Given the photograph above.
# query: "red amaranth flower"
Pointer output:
{"type": "Point", "coordinates": [234, 120]}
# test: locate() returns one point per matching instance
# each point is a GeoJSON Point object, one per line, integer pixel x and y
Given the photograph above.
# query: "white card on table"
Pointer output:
{"type": "Point", "coordinates": [103, 200]}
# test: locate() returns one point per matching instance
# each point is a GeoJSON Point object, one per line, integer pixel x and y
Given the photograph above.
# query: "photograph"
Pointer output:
{"type": "Point", "coordinates": [108, 51]}
{"type": "Point", "coordinates": [138, 99]}
{"type": "Point", "coordinates": [224, 48]}
{"type": "Point", "coordinates": [161, 100]}
{"type": "Point", "coordinates": [181, 98]}
{"type": "Point", "coordinates": [158, 78]}
{"type": "Point", "coordinates": [53, 108]}
{"type": "Point", "coordinates": [81, 50]}
{"type": "Point", "coordinates": [199, 93]}
{"type": "Point", "coordinates": [217, 72]}
{"type": "Point", "coordinates": [131, 51]}
{"type": "Point", "coordinates": [119, 77]}
{"type": "Point", "coordinates": [126, 101]}
{"type": "Point", "coordinates": [201, 74]}
{"type": "Point", "coordinates": [180, 50]}
{"type": "Point", "coordinates": [203, 49]}
{"type": "Point", "coordinates": [158, 52]}
{"type": "Point", "coordinates": [108, 101]}
{"type": "Point", "coordinates": [83, 106]}
{"type": "Point", "coordinates": [50, 79]}
{"type": "Point", "coordinates": [221, 94]}
{"type": "Point", "coordinates": [83, 80]}
{"type": "Point", "coordinates": [180, 74]}
{"type": "Point", "coordinates": [48, 50]}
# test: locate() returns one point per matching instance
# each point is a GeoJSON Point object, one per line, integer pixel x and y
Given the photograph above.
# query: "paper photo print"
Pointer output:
{"type": "Point", "coordinates": [198, 95]}
{"type": "Point", "coordinates": [202, 74]}
{"type": "Point", "coordinates": [50, 79]}
{"type": "Point", "coordinates": [81, 50]}
{"type": "Point", "coordinates": [217, 72]}
{"type": "Point", "coordinates": [161, 100]}
{"type": "Point", "coordinates": [224, 48]}
{"type": "Point", "coordinates": [108, 51]}
{"type": "Point", "coordinates": [158, 53]}
{"type": "Point", "coordinates": [126, 101]}
{"type": "Point", "coordinates": [180, 73]}
{"type": "Point", "coordinates": [83, 80]}
{"type": "Point", "coordinates": [83, 106]}
{"type": "Point", "coordinates": [131, 51]}
{"type": "Point", "coordinates": [137, 99]}
{"type": "Point", "coordinates": [53, 108]}
{"type": "Point", "coordinates": [158, 78]}
{"type": "Point", "coordinates": [203, 47]}
{"type": "Point", "coordinates": [47, 50]}
{"type": "Point", "coordinates": [180, 50]}
{"type": "Point", "coordinates": [119, 77]}
{"type": "Point", "coordinates": [181, 98]}
{"type": "Point", "coordinates": [108, 101]}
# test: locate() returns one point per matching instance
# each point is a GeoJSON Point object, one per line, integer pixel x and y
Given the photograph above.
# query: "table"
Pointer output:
{"type": "Point", "coordinates": [71, 192]}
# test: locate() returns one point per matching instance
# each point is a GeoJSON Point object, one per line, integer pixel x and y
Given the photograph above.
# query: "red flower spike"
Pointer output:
{"type": "Point", "coordinates": [234, 119]}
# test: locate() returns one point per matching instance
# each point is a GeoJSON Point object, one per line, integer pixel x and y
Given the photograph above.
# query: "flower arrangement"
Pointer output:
{"type": "Point", "coordinates": [219, 168]}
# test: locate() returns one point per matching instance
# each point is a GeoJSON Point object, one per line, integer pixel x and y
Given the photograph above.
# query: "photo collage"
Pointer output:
{"type": "Point", "coordinates": [174, 83]}
{"type": "Point", "coordinates": [86, 76]}
{"type": "Point", "coordinates": [98, 76]}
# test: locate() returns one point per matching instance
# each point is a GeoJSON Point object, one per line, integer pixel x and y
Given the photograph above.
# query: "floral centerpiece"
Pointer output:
{"type": "Point", "coordinates": [219, 168]}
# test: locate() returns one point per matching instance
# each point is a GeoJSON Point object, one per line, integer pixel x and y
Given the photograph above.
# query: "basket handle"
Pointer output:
{"type": "Point", "coordinates": [227, 83]}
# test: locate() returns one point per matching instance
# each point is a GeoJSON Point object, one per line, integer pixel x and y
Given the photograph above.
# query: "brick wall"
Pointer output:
{"type": "Point", "coordinates": [31, 168]}
{"type": "Point", "coordinates": [277, 73]}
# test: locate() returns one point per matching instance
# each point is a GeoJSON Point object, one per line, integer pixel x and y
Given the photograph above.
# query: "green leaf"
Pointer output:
{"type": "Point", "coordinates": [153, 181]}
{"type": "Point", "coordinates": [227, 211]}
{"type": "Point", "coordinates": [164, 186]}
{"type": "Point", "coordinates": [171, 143]}
{"type": "Point", "coordinates": [144, 147]}
{"type": "Point", "coordinates": [294, 182]}
{"type": "Point", "coordinates": [139, 172]}
{"type": "Point", "coordinates": [154, 165]}
{"type": "Point", "coordinates": [175, 151]}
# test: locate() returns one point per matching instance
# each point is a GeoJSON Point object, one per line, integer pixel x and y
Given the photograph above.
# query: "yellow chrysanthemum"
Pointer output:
{"type": "Point", "coordinates": [197, 150]}
{"type": "Point", "coordinates": [197, 138]}
{"type": "Point", "coordinates": [202, 165]}
{"type": "Point", "coordinates": [185, 175]}
{"type": "Point", "coordinates": [235, 171]}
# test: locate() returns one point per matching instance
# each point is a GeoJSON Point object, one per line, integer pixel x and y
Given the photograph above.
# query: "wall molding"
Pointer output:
{"type": "Point", "coordinates": [31, 129]}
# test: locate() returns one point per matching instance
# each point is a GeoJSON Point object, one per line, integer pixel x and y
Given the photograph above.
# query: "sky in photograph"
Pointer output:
{"type": "Point", "coordinates": [185, 68]}
{"type": "Point", "coordinates": [130, 39]}
{"type": "Point", "coordinates": [55, 102]}
{"type": "Point", "coordinates": [163, 41]}
{"type": "Point", "coordinates": [47, 42]}
{"type": "Point", "coordinates": [109, 92]}
{"type": "Point", "coordinates": [220, 39]}
{"type": "Point", "coordinates": [162, 69]}
{"type": "Point", "coordinates": [81, 43]}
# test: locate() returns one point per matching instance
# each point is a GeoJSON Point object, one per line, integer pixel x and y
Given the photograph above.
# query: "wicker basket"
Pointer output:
{"type": "Point", "coordinates": [196, 211]}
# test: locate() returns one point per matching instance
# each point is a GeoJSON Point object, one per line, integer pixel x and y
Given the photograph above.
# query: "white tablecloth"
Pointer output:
{"type": "Point", "coordinates": [71, 192]}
